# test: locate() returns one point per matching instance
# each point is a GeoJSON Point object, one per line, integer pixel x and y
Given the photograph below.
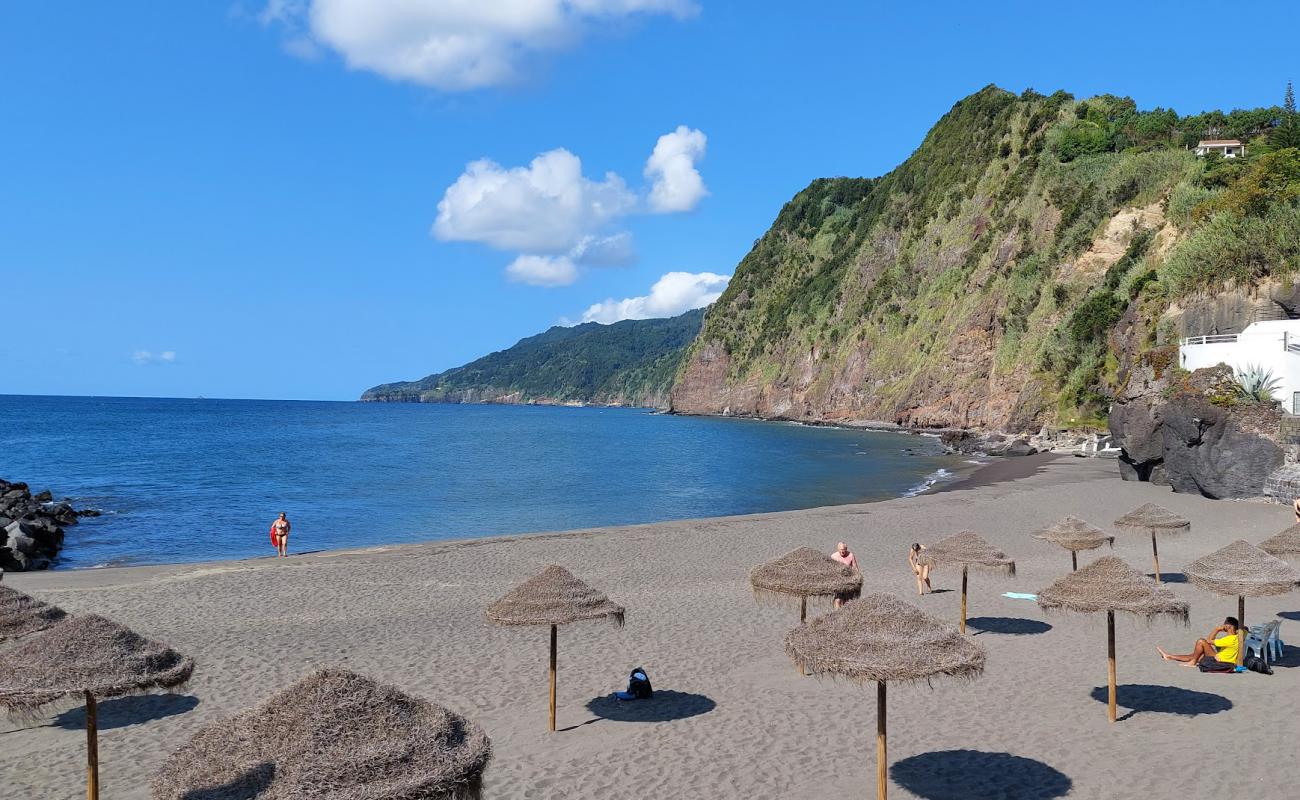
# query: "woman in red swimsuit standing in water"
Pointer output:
{"type": "Point", "coordinates": [280, 536]}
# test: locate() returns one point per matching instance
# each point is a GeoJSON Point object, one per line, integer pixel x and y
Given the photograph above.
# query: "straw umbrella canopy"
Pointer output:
{"type": "Point", "coordinates": [1244, 570]}
{"type": "Point", "coordinates": [1152, 519]}
{"type": "Point", "coordinates": [1286, 543]}
{"type": "Point", "coordinates": [333, 734]}
{"type": "Point", "coordinates": [1074, 535]}
{"type": "Point", "coordinates": [802, 574]}
{"type": "Point", "coordinates": [553, 597]}
{"type": "Point", "coordinates": [968, 549]}
{"type": "Point", "coordinates": [22, 614]}
{"type": "Point", "coordinates": [1109, 584]}
{"type": "Point", "coordinates": [883, 639]}
{"type": "Point", "coordinates": [88, 657]}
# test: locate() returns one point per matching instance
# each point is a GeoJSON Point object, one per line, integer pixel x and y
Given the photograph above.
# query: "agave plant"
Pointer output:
{"type": "Point", "coordinates": [1255, 383]}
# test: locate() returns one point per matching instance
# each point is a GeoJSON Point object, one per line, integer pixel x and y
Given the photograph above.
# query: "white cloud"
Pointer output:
{"type": "Point", "coordinates": [676, 183]}
{"type": "Point", "coordinates": [546, 207]}
{"type": "Point", "coordinates": [146, 357]}
{"type": "Point", "coordinates": [548, 271]}
{"type": "Point", "coordinates": [674, 293]}
{"type": "Point", "coordinates": [453, 45]}
{"type": "Point", "coordinates": [556, 219]}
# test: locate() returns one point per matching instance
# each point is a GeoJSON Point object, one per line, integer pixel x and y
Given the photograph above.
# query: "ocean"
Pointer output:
{"type": "Point", "coordinates": [192, 480]}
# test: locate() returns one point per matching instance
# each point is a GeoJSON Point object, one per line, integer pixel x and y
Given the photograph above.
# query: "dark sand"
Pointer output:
{"type": "Point", "coordinates": [735, 719]}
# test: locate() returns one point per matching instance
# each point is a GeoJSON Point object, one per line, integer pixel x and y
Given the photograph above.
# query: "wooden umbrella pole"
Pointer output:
{"type": "Point", "coordinates": [1110, 664]}
{"type": "Point", "coordinates": [92, 748]}
{"type": "Point", "coordinates": [553, 627]}
{"type": "Point", "coordinates": [1074, 560]}
{"type": "Point", "coordinates": [1241, 629]}
{"type": "Point", "coordinates": [882, 760]}
{"type": "Point", "coordinates": [1155, 555]}
{"type": "Point", "coordinates": [803, 615]}
{"type": "Point", "coordinates": [963, 599]}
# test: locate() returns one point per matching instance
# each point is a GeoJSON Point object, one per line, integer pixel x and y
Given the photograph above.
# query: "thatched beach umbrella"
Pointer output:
{"type": "Point", "coordinates": [881, 638]}
{"type": "Point", "coordinates": [805, 573]}
{"type": "Point", "coordinates": [553, 597]}
{"type": "Point", "coordinates": [802, 574]}
{"type": "Point", "coordinates": [1108, 584]}
{"type": "Point", "coordinates": [88, 657]}
{"type": "Point", "coordinates": [968, 549]}
{"type": "Point", "coordinates": [22, 614]}
{"type": "Point", "coordinates": [333, 734]}
{"type": "Point", "coordinates": [1074, 535]}
{"type": "Point", "coordinates": [1152, 519]}
{"type": "Point", "coordinates": [1245, 570]}
{"type": "Point", "coordinates": [1281, 545]}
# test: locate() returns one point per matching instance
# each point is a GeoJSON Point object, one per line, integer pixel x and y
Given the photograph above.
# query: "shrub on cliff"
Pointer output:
{"type": "Point", "coordinates": [1232, 247]}
{"type": "Point", "coordinates": [1272, 179]}
{"type": "Point", "coordinates": [1080, 137]}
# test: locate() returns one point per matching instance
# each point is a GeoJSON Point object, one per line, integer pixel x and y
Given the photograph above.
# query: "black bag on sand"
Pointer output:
{"type": "Point", "coordinates": [1256, 664]}
{"type": "Point", "coordinates": [638, 685]}
{"type": "Point", "coordinates": [1209, 664]}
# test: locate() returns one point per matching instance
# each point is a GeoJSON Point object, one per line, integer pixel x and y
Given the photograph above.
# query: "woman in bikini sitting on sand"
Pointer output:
{"type": "Point", "coordinates": [921, 571]}
{"type": "Point", "coordinates": [1214, 647]}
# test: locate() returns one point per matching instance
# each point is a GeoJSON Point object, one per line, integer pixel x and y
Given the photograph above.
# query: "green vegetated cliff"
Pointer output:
{"type": "Point", "coordinates": [627, 363]}
{"type": "Point", "coordinates": [1007, 273]}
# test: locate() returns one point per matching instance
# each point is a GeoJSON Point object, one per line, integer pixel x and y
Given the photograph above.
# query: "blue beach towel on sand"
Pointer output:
{"type": "Point", "coordinates": [1020, 596]}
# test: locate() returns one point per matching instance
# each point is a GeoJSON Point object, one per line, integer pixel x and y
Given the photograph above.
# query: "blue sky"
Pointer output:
{"type": "Point", "coordinates": [239, 200]}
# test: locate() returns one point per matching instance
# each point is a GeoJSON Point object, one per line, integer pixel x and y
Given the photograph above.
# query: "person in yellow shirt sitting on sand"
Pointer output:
{"type": "Point", "coordinates": [1221, 645]}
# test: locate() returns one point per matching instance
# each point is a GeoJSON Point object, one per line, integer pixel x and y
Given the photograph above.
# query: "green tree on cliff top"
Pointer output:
{"type": "Point", "coordinates": [1287, 132]}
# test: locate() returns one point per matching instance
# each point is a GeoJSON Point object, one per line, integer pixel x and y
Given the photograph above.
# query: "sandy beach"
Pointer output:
{"type": "Point", "coordinates": [733, 718]}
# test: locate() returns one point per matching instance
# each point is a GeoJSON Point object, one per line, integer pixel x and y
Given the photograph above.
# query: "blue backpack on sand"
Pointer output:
{"type": "Point", "coordinates": [638, 687]}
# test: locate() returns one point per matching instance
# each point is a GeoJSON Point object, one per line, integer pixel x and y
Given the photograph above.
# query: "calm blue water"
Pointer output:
{"type": "Point", "coordinates": [187, 480]}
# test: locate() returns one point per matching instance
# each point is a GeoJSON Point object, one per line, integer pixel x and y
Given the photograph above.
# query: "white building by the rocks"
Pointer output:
{"type": "Point", "coordinates": [1273, 345]}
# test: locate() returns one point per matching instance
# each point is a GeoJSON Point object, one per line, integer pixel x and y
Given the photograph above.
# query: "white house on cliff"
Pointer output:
{"type": "Point", "coordinates": [1228, 148]}
{"type": "Point", "coordinates": [1273, 345]}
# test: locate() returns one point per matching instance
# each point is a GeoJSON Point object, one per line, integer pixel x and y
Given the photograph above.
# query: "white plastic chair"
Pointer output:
{"type": "Point", "coordinates": [1265, 640]}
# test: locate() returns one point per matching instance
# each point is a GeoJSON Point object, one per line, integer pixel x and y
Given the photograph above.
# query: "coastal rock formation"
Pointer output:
{"type": "Point", "coordinates": [31, 527]}
{"type": "Point", "coordinates": [1134, 425]}
{"type": "Point", "coordinates": [989, 444]}
{"type": "Point", "coordinates": [1190, 432]}
{"type": "Point", "coordinates": [1211, 451]}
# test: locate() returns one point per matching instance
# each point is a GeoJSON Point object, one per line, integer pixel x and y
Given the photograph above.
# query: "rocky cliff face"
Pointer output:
{"type": "Point", "coordinates": [994, 280]}
{"type": "Point", "coordinates": [928, 297]}
{"type": "Point", "coordinates": [1231, 308]}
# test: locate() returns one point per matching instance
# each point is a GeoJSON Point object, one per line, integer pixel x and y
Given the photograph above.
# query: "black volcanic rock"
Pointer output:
{"type": "Point", "coordinates": [1187, 432]}
{"type": "Point", "coordinates": [31, 527]}
{"type": "Point", "coordinates": [1207, 452]}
